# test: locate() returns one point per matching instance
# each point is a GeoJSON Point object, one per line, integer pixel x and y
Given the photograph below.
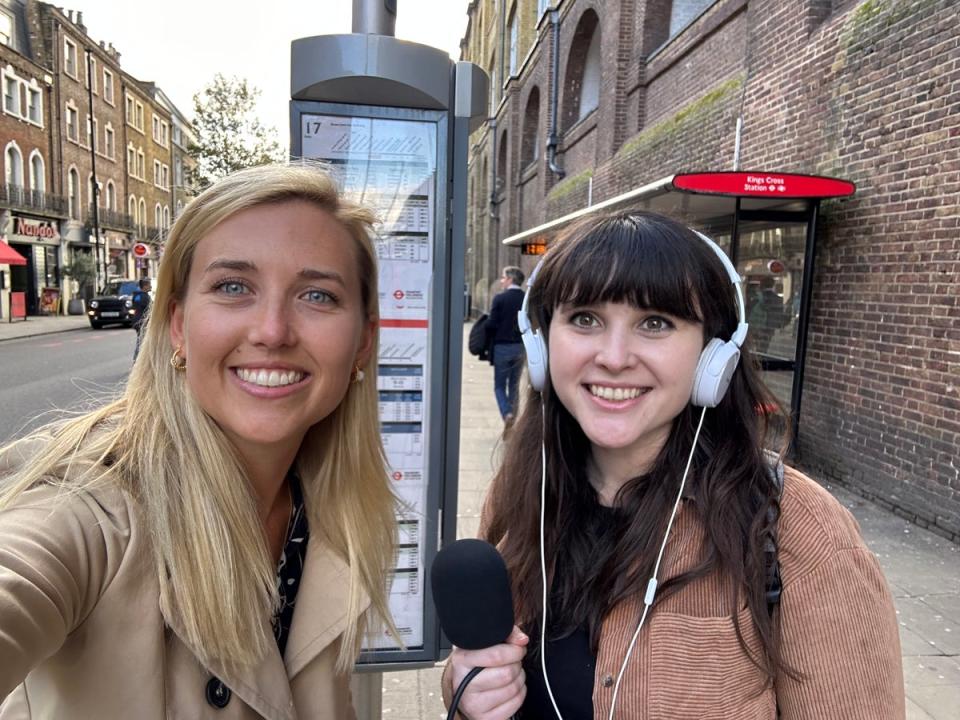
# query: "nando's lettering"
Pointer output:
{"type": "Point", "coordinates": [39, 229]}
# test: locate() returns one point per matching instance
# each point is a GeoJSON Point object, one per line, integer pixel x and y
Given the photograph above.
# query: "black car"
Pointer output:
{"type": "Point", "coordinates": [114, 305]}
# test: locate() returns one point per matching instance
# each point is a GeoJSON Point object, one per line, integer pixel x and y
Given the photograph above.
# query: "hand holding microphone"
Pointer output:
{"type": "Point", "coordinates": [471, 590]}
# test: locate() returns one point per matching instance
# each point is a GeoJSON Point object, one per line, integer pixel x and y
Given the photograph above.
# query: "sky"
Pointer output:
{"type": "Point", "coordinates": [182, 44]}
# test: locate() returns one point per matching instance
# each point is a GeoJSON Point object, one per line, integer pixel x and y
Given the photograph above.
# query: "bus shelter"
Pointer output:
{"type": "Point", "coordinates": [767, 223]}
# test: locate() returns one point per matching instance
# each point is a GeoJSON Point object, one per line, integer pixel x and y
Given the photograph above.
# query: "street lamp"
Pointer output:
{"type": "Point", "coordinates": [100, 259]}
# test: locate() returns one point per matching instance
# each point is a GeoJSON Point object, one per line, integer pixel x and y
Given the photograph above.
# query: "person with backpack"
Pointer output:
{"type": "Point", "coordinates": [503, 341]}
{"type": "Point", "coordinates": [664, 562]}
{"type": "Point", "coordinates": [141, 302]}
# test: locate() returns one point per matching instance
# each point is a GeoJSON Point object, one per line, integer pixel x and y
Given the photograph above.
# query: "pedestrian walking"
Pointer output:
{"type": "Point", "coordinates": [503, 338]}
{"type": "Point", "coordinates": [664, 562]}
{"type": "Point", "coordinates": [141, 302]}
{"type": "Point", "coordinates": [220, 536]}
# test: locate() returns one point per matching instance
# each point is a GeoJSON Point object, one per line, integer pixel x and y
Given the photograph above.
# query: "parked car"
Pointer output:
{"type": "Point", "coordinates": [114, 305]}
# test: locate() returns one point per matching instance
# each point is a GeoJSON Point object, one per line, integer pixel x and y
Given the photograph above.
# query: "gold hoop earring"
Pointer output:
{"type": "Point", "coordinates": [177, 362]}
{"type": "Point", "coordinates": [357, 375]}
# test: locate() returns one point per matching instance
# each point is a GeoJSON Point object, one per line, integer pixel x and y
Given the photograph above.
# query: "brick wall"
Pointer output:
{"type": "Point", "coordinates": [868, 91]}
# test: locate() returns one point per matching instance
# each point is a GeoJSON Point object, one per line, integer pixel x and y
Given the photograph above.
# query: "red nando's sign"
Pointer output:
{"type": "Point", "coordinates": [41, 229]}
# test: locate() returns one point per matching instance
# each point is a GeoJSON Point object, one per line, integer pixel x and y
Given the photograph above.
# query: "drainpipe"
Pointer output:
{"type": "Point", "coordinates": [552, 139]}
{"type": "Point", "coordinates": [494, 201]}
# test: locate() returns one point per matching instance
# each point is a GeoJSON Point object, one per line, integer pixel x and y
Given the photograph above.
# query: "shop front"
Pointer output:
{"type": "Point", "coordinates": [767, 224]}
{"type": "Point", "coordinates": [37, 240]}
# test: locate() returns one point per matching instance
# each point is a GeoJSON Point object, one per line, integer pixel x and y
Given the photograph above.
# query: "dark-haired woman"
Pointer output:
{"type": "Point", "coordinates": [685, 572]}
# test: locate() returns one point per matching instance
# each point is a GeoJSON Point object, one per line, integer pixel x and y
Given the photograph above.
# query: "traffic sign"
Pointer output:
{"type": "Point", "coordinates": [141, 250]}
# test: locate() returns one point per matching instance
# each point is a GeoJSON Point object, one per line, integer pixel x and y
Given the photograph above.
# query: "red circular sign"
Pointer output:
{"type": "Point", "coordinates": [398, 294]}
{"type": "Point", "coordinates": [141, 250]}
{"type": "Point", "coordinates": [397, 475]}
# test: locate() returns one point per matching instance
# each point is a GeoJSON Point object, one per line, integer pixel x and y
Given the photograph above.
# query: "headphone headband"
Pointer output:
{"type": "Point", "coordinates": [717, 362]}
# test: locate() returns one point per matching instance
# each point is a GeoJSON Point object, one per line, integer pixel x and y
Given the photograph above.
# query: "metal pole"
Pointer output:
{"type": "Point", "coordinates": [375, 17]}
{"type": "Point", "coordinates": [96, 186]}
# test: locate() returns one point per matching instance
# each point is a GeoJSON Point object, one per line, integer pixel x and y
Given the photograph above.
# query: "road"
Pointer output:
{"type": "Point", "coordinates": [71, 370]}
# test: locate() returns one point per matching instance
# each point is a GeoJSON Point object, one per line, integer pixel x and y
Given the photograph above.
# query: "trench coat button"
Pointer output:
{"type": "Point", "coordinates": [218, 694]}
{"type": "Point", "coordinates": [608, 681]}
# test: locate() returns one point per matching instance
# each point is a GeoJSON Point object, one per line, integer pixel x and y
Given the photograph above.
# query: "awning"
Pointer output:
{"type": "Point", "coordinates": [9, 256]}
{"type": "Point", "coordinates": [697, 198]}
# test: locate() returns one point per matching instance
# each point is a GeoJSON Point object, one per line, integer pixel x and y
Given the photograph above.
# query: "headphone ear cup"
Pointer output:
{"type": "Point", "coordinates": [718, 361]}
{"type": "Point", "coordinates": [536, 352]}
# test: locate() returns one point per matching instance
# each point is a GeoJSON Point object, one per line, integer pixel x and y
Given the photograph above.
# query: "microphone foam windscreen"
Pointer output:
{"type": "Point", "coordinates": [471, 589]}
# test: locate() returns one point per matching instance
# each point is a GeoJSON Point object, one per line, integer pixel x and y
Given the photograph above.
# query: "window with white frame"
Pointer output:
{"type": "Point", "coordinates": [514, 25]}
{"type": "Point", "coordinates": [132, 209]}
{"type": "Point", "coordinates": [94, 132]}
{"type": "Point", "coordinates": [141, 165]}
{"type": "Point", "coordinates": [143, 216]}
{"type": "Point", "coordinates": [6, 29]}
{"type": "Point", "coordinates": [164, 133]}
{"type": "Point", "coordinates": [166, 217]}
{"type": "Point", "coordinates": [73, 123]}
{"type": "Point", "coordinates": [13, 160]}
{"type": "Point", "coordinates": [109, 142]}
{"type": "Point", "coordinates": [73, 193]}
{"type": "Point", "coordinates": [165, 176]}
{"type": "Point", "coordinates": [134, 113]}
{"type": "Point", "coordinates": [156, 129]}
{"type": "Point", "coordinates": [38, 175]}
{"type": "Point", "coordinates": [158, 216]}
{"type": "Point", "coordinates": [177, 171]}
{"type": "Point", "coordinates": [108, 86]}
{"type": "Point", "coordinates": [11, 93]}
{"type": "Point", "coordinates": [90, 193]}
{"type": "Point", "coordinates": [179, 208]}
{"type": "Point", "coordinates": [156, 173]}
{"type": "Point", "coordinates": [34, 105]}
{"type": "Point", "coordinates": [70, 66]}
{"type": "Point", "coordinates": [111, 194]}
{"type": "Point", "coordinates": [92, 72]}
{"type": "Point", "coordinates": [131, 160]}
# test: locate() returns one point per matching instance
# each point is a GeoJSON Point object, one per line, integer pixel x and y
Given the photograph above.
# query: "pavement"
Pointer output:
{"type": "Point", "coordinates": [923, 569]}
{"type": "Point", "coordinates": [41, 325]}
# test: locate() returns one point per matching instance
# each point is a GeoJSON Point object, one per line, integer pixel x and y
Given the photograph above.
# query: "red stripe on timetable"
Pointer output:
{"type": "Point", "coordinates": [396, 323]}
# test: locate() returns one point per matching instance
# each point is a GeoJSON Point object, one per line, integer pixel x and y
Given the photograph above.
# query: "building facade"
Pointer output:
{"type": "Point", "coordinates": [89, 158]}
{"type": "Point", "coordinates": [33, 209]}
{"type": "Point", "coordinates": [593, 99]}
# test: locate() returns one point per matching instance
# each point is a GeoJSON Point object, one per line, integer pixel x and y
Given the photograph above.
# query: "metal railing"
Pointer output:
{"type": "Point", "coordinates": [20, 197]}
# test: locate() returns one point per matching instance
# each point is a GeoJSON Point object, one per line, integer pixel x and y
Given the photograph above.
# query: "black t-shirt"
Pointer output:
{"type": "Point", "coordinates": [570, 664]}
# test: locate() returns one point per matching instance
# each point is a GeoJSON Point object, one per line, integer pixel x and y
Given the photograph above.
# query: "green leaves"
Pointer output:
{"type": "Point", "coordinates": [229, 135]}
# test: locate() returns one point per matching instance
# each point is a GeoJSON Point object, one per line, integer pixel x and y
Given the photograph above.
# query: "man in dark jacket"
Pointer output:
{"type": "Point", "coordinates": [503, 337]}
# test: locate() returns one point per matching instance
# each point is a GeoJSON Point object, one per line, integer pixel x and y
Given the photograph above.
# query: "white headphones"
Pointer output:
{"type": "Point", "coordinates": [718, 361]}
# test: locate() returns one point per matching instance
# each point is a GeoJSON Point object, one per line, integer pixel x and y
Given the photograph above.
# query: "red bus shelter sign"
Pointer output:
{"type": "Point", "coordinates": [763, 184]}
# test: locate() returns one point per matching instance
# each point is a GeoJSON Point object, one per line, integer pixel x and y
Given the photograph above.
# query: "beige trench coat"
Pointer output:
{"type": "Point", "coordinates": [82, 634]}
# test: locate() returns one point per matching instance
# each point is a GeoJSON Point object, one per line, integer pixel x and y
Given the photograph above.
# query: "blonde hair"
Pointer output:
{"type": "Point", "coordinates": [209, 546]}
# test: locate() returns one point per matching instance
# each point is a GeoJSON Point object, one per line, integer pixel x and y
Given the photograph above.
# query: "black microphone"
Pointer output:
{"type": "Point", "coordinates": [471, 590]}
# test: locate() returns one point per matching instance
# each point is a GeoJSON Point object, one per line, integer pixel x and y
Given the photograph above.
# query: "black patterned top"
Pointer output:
{"type": "Point", "coordinates": [290, 567]}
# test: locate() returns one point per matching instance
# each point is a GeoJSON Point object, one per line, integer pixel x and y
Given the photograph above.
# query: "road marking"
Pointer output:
{"type": "Point", "coordinates": [52, 345]}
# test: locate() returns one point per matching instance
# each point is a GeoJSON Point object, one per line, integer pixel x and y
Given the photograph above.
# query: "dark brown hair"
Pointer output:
{"type": "Point", "coordinates": [647, 261]}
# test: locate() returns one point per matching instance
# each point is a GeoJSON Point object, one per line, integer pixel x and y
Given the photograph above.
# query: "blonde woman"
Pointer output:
{"type": "Point", "coordinates": [214, 543]}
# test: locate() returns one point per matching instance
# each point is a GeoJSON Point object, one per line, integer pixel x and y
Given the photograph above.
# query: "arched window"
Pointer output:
{"type": "Point", "coordinates": [132, 209]}
{"type": "Point", "coordinates": [581, 90]}
{"type": "Point", "coordinates": [158, 216]}
{"type": "Point", "coordinates": [530, 144]}
{"type": "Point", "coordinates": [14, 165]}
{"type": "Point", "coordinates": [38, 175]}
{"type": "Point", "coordinates": [90, 194]}
{"type": "Point", "coordinates": [166, 217]}
{"type": "Point", "coordinates": [179, 208]}
{"type": "Point", "coordinates": [143, 217]}
{"type": "Point", "coordinates": [73, 192]}
{"type": "Point", "coordinates": [111, 196]}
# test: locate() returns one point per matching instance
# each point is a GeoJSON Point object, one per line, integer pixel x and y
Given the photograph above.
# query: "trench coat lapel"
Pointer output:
{"type": "Point", "coordinates": [322, 612]}
{"type": "Point", "coordinates": [263, 686]}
